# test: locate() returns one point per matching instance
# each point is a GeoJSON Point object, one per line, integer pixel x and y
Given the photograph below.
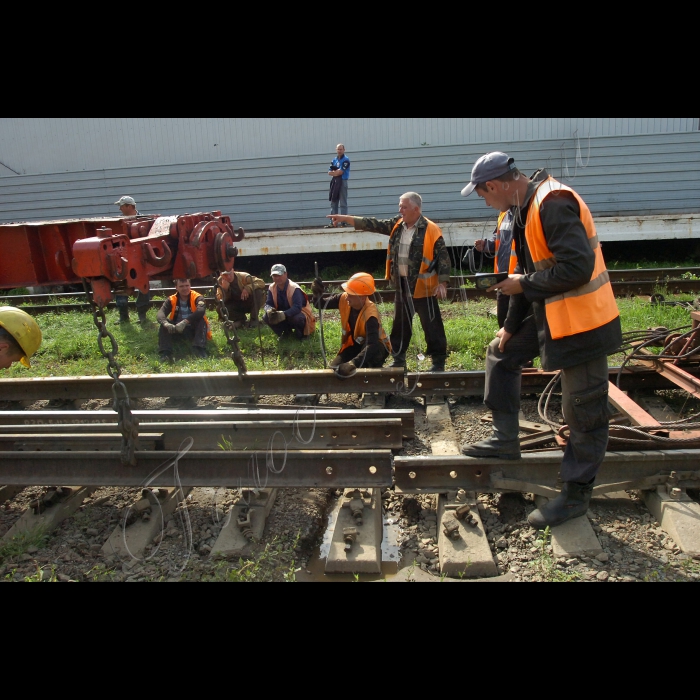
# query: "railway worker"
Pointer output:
{"type": "Point", "coordinates": [502, 247]}
{"type": "Point", "coordinates": [287, 308]}
{"type": "Point", "coordinates": [339, 172]}
{"type": "Point", "coordinates": [20, 337]}
{"type": "Point", "coordinates": [364, 342]}
{"type": "Point", "coordinates": [183, 314]}
{"type": "Point", "coordinates": [243, 294]}
{"type": "Point", "coordinates": [562, 308]}
{"type": "Point", "coordinates": [127, 206]}
{"type": "Point", "coordinates": [418, 263]}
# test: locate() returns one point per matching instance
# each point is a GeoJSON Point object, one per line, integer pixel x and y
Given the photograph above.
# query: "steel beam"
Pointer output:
{"type": "Point", "coordinates": [302, 468]}
{"type": "Point", "coordinates": [202, 384]}
{"type": "Point", "coordinates": [538, 472]}
{"type": "Point", "coordinates": [338, 415]}
{"type": "Point", "coordinates": [388, 380]}
{"type": "Point", "coordinates": [250, 435]}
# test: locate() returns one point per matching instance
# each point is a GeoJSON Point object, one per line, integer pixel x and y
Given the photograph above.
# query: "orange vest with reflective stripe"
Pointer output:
{"type": "Point", "coordinates": [369, 310]}
{"type": "Point", "coordinates": [589, 306]}
{"type": "Point", "coordinates": [310, 325]}
{"type": "Point", "coordinates": [513, 261]}
{"type": "Point", "coordinates": [427, 282]}
{"type": "Point", "coordinates": [193, 307]}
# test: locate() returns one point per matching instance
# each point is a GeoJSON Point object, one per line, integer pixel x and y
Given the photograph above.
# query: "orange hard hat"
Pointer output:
{"type": "Point", "coordinates": [361, 284]}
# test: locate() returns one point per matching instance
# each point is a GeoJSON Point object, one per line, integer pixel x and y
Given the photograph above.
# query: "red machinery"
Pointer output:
{"type": "Point", "coordinates": [116, 253]}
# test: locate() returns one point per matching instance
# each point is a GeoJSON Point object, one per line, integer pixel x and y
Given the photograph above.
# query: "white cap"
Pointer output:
{"type": "Point", "coordinates": [125, 200]}
{"type": "Point", "coordinates": [278, 269]}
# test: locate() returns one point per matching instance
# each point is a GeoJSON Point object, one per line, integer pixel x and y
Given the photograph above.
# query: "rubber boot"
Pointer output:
{"type": "Point", "coordinates": [143, 319]}
{"type": "Point", "coordinates": [438, 363]}
{"type": "Point", "coordinates": [503, 443]}
{"type": "Point", "coordinates": [123, 317]}
{"type": "Point", "coordinates": [572, 502]}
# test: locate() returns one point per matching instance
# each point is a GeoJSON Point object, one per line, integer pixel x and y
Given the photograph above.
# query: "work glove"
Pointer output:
{"type": "Point", "coordinates": [169, 327]}
{"type": "Point", "coordinates": [317, 287]}
{"type": "Point", "coordinates": [275, 317]}
{"type": "Point", "coordinates": [345, 370]}
{"type": "Point", "coordinates": [180, 327]}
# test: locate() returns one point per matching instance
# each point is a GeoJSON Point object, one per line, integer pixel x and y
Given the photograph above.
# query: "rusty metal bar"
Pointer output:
{"type": "Point", "coordinates": [369, 433]}
{"type": "Point", "coordinates": [673, 373]}
{"type": "Point", "coordinates": [538, 472]}
{"type": "Point", "coordinates": [274, 469]}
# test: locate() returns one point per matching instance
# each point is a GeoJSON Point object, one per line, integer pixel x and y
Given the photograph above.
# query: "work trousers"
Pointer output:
{"type": "Point", "coordinates": [584, 399]}
{"type": "Point", "coordinates": [143, 301]}
{"type": "Point", "coordinates": [365, 355]}
{"type": "Point", "coordinates": [292, 325]}
{"type": "Point", "coordinates": [237, 309]}
{"type": "Point", "coordinates": [196, 335]}
{"type": "Point", "coordinates": [342, 202]}
{"type": "Point", "coordinates": [428, 310]}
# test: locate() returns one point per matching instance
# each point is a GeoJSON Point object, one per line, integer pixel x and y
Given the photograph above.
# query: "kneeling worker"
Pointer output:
{"type": "Point", "coordinates": [20, 337]}
{"type": "Point", "coordinates": [364, 342]}
{"type": "Point", "coordinates": [183, 314]}
{"type": "Point", "coordinates": [287, 309]}
{"type": "Point", "coordinates": [243, 294]}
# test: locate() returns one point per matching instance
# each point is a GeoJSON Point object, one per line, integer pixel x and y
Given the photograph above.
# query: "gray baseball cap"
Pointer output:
{"type": "Point", "coordinates": [489, 167]}
{"type": "Point", "coordinates": [278, 269]}
{"type": "Point", "coordinates": [125, 200]}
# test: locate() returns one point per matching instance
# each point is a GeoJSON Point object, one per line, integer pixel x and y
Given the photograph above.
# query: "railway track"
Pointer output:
{"type": "Point", "coordinates": [625, 283]}
{"type": "Point", "coordinates": [74, 454]}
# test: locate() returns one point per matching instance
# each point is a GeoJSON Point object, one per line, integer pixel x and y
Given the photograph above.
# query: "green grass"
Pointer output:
{"type": "Point", "coordinates": [70, 348]}
{"type": "Point", "coordinates": [21, 542]}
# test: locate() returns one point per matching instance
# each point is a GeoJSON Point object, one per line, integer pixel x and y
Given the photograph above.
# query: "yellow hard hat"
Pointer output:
{"type": "Point", "coordinates": [361, 284]}
{"type": "Point", "coordinates": [23, 328]}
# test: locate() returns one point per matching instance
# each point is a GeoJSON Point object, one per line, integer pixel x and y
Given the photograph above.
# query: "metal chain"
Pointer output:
{"type": "Point", "coordinates": [229, 329]}
{"type": "Point", "coordinates": [128, 423]}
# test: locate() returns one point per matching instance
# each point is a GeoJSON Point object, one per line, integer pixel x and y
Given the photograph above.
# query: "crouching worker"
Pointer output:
{"type": "Point", "coordinates": [242, 294]}
{"type": "Point", "coordinates": [287, 309]}
{"type": "Point", "coordinates": [364, 342]}
{"type": "Point", "coordinates": [183, 316]}
{"type": "Point", "coordinates": [20, 337]}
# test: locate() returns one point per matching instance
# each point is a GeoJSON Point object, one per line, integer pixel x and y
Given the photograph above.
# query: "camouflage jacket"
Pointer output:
{"type": "Point", "coordinates": [415, 253]}
{"type": "Point", "coordinates": [239, 282]}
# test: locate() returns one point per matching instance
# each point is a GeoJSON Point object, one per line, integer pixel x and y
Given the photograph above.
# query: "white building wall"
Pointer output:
{"type": "Point", "coordinates": [35, 146]}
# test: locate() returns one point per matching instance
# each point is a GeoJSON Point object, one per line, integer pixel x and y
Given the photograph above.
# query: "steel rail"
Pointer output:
{"type": "Point", "coordinates": [369, 433]}
{"type": "Point", "coordinates": [203, 384]}
{"type": "Point", "coordinates": [659, 275]}
{"type": "Point", "coordinates": [236, 469]}
{"type": "Point", "coordinates": [110, 418]}
{"type": "Point", "coordinates": [620, 288]}
{"type": "Point", "coordinates": [254, 384]}
{"type": "Point", "coordinates": [538, 472]}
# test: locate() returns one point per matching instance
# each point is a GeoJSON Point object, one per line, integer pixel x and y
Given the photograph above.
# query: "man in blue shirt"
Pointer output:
{"type": "Point", "coordinates": [339, 171]}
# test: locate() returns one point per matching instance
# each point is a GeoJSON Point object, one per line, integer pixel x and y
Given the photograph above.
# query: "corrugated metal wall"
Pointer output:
{"type": "Point", "coordinates": [51, 145]}
{"type": "Point", "coordinates": [617, 175]}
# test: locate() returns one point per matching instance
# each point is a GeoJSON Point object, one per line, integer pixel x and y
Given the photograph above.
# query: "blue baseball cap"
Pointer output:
{"type": "Point", "coordinates": [489, 167]}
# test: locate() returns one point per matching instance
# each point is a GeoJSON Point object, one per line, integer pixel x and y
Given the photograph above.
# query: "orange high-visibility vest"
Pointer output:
{"type": "Point", "coordinates": [589, 306]}
{"type": "Point", "coordinates": [369, 310]}
{"type": "Point", "coordinates": [427, 282]}
{"type": "Point", "coordinates": [193, 307]}
{"type": "Point", "coordinates": [513, 261]}
{"type": "Point", "coordinates": [310, 325]}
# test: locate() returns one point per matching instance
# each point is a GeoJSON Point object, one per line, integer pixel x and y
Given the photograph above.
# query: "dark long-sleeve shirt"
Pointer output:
{"type": "Point", "coordinates": [371, 325]}
{"type": "Point", "coordinates": [165, 310]}
{"type": "Point", "coordinates": [575, 260]}
{"type": "Point", "coordinates": [298, 300]}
